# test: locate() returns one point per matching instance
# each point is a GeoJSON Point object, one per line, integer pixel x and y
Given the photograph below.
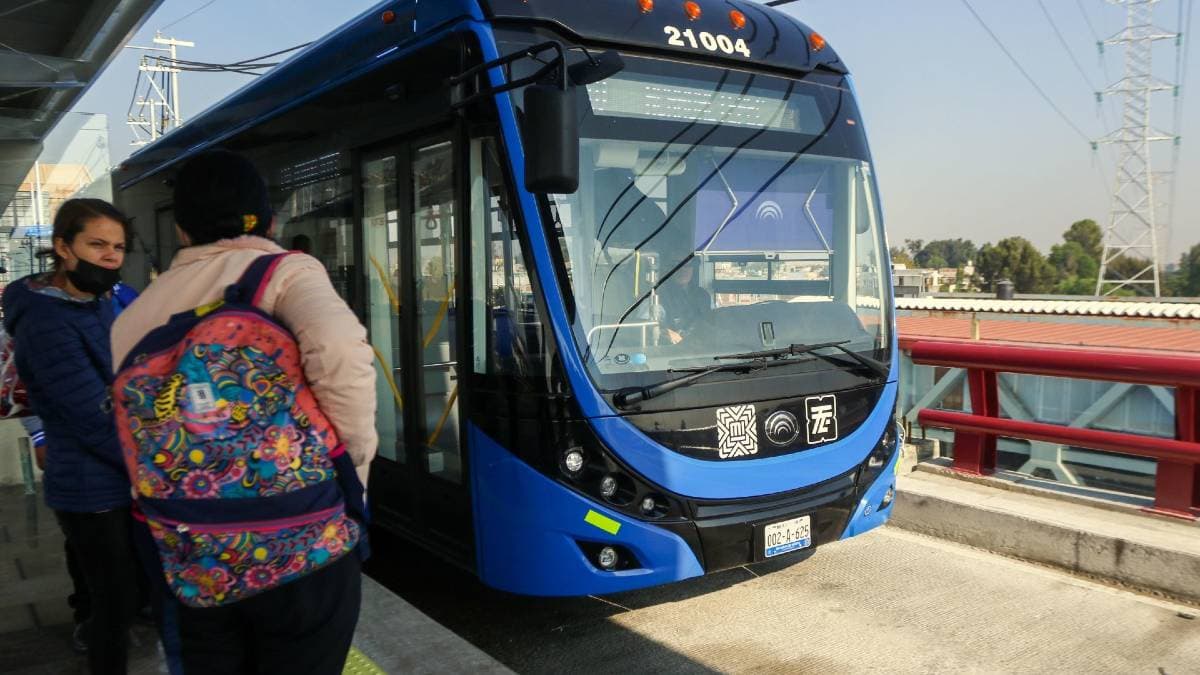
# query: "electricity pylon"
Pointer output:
{"type": "Point", "coordinates": [1132, 231]}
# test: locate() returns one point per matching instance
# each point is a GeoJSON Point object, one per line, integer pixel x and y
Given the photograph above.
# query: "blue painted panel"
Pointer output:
{"type": "Point", "coordinates": [527, 527]}
{"type": "Point", "coordinates": [773, 37]}
{"type": "Point", "coordinates": [359, 46]}
{"type": "Point", "coordinates": [731, 480]}
{"type": "Point", "coordinates": [868, 515]}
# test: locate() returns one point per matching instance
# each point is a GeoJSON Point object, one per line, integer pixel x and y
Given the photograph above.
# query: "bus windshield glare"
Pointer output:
{"type": "Point", "coordinates": [718, 212]}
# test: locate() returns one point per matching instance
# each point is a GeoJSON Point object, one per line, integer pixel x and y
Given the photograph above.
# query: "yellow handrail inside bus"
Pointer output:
{"type": "Point", "coordinates": [387, 373]}
{"type": "Point", "coordinates": [445, 415]}
{"type": "Point", "coordinates": [437, 320]}
{"type": "Point", "coordinates": [387, 286]}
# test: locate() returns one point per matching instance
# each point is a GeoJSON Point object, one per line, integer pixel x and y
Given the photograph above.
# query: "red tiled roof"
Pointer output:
{"type": "Point", "coordinates": [1061, 333]}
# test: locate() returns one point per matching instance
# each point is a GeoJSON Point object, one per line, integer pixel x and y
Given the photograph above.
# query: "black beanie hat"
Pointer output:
{"type": "Point", "coordinates": [220, 195]}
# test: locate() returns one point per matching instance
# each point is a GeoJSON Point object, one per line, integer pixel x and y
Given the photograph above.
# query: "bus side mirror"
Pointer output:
{"type": "Point", "coordinates": [551, 134]}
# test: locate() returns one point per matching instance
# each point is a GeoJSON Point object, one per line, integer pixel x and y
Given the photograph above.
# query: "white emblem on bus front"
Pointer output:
{"type": "Point", "coordinates": [822, 418]}
{"type": "Point", "coordinates": [737, 431]}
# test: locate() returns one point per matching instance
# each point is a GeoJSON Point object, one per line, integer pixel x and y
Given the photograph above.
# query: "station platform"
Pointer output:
{"type": "Point", "coordinates": [36, 624]}
{"type": "Point", "coordinates": [1092, 533]}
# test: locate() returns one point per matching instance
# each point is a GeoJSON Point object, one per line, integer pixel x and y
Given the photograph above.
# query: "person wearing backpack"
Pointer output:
{"type": "Point", "coordinates": [244, 381]}
{"type": "Point", "coordinates": [60, 325]}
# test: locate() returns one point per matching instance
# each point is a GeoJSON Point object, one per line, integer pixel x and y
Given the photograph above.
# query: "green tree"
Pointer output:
{"type": "Point", "coordinates": [1185, 281]}
{"type": "Point", "coordinates": [1126, 267]}
{"type": "Point", "coordinates": [914, 246]}
{"type": "Point", "coordinates": [1018, 261]}
{"type": "Point", "coordinates": [901, 257]}
{"type": "Point", "coordinates": [1087, 234]}
{"type": "Point", "coordinates": [947, 253]}
{"type": "Point", "coordinates": [1074, 268]}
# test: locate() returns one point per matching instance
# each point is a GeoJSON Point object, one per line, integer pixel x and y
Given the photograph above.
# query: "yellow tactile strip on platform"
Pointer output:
{"type": "Point", "coordinates": [357, 663]}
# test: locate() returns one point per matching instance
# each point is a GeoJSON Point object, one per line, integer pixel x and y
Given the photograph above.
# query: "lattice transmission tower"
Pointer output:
{"type": "Point", "coordinates": [1133, 230]}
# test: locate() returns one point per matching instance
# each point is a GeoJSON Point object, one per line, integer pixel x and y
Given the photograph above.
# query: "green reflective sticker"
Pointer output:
{"type": "Point", "coordinates": [597, 519]}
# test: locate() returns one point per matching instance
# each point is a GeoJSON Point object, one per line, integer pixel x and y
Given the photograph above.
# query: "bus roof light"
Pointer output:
{"type": "Point", "coordinates": [816, 41]}
{"type": "Point", "coordinates": [692, 9]}
{"type": "Point", "coordinates": [646, 6]}
{"type": "Point", "coordinates": [389, 17]}
{"type": "Point", "coordinates": [737, 19]}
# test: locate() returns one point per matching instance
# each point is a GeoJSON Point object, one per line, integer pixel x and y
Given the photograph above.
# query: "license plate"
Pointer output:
{"type": "Point", "coordinates": [787, 536]}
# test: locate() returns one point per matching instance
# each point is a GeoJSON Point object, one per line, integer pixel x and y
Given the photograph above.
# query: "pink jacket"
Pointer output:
{"type": "Point", "coordinates": [337, 359]}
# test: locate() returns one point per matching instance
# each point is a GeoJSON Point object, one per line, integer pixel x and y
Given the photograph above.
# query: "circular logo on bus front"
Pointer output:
{"type": "Point", "coordinates": [782, 428]}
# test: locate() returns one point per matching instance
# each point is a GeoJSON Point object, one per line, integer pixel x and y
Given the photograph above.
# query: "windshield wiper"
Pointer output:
{"type": "Point", "coordinates": [878, 367]}
{"type": "Point", "coordinates": [633, 395]}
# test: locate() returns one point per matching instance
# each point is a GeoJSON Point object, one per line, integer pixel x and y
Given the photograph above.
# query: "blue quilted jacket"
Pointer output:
{"type": "Point", "coordinates": [64, 360]}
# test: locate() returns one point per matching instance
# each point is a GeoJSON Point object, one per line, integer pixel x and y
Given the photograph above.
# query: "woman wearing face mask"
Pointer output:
{"type": "Point", "coordinates": [60, 323]}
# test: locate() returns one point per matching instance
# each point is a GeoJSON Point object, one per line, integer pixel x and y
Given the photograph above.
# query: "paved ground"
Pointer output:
{"type": "Point", "coordinates": [36, 625]}
{"type": "Point", "coordinates": [889, 601]}
{"type": "Point", "coordinates": [35, 622]}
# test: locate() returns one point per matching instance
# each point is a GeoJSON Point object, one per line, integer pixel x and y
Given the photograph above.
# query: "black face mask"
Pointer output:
{"type": "Point", "coordinates": [92, 278]}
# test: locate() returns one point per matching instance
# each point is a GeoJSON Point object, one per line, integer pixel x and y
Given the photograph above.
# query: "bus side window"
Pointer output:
{"type": "Point", "coordinates": [507, 329]}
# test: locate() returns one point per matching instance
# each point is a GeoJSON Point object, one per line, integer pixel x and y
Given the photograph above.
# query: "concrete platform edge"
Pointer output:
{"type": "Point", "coordinates": [1144, 567]}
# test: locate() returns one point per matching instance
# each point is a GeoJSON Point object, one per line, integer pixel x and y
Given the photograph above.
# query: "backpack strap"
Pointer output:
{"type": "Point", "coordinates": [250, 287]}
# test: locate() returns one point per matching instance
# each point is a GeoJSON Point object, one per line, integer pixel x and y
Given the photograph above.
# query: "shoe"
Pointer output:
{"type": "Point", "coordinates": [145, 615]}
{"type": "Point", "coordinates": [78, 643]}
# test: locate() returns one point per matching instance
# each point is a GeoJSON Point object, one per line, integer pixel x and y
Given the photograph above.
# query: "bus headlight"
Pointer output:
{"type": "Point", "coordinates": [888, 497]}
{"type": "Point", "coordinates": [608, 487]}
{"type": "Point", "coordinates": [607, 558]}
{"type": "Point", "coordinates": [881, 455]}
{"type": "Point", "coordinates": [573, 461]}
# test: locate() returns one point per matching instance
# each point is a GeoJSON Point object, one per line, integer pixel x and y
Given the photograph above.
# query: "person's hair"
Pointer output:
{"type": "Point", "coordinates": [301, 242]}
{"type": "Point", "coordinates": [74, 215]}
{"type": "Point", "coordinates": [220, 195]}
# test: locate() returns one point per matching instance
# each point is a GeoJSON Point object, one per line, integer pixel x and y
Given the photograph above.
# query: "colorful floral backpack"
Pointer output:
{"type": "Point", "coordinates": [238, 474]}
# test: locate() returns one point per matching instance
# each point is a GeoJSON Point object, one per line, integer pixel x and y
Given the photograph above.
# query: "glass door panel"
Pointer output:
{"type": "Point", "coordinates": [434, 224]}
{"type": "Point", "coordinates": [381, 240]}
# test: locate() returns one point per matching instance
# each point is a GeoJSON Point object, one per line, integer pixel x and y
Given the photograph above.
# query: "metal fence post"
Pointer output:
{"type": "Point", "coordinates": [1177, 484]}
{"type": "Point", "coordinates": [25, 449]}
{"type": "Point", "coordinates": [975, 453]}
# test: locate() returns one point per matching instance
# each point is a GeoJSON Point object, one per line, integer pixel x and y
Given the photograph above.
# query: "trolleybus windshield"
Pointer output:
{"type": "Point", "coordinates": [719, 211]}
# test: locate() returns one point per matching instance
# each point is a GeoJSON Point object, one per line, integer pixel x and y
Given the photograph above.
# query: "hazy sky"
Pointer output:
{"type": "Point", "coordinates": [964, 146]}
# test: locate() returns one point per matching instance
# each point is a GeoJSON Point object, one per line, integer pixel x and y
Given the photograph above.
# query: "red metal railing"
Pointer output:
{"type": "Point", "coordinates": [1177, 482]}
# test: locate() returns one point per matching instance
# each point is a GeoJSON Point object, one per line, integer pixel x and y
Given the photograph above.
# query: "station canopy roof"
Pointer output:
{"type": "Point", "coordinates": [50, 52]}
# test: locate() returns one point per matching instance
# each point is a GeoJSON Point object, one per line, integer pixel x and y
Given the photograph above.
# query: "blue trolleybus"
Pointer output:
{"type": "Point", "coordinates": [622, 266]}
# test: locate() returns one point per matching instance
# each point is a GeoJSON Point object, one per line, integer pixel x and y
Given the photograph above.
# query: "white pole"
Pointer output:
{"type": "Point", "coordinates": [36, 192]}
{"type": "Point", "coordinates": [175, 88]}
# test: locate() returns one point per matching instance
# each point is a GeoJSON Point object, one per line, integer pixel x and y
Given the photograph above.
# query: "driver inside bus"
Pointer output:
{"type": "Point", "coordinates": [684, 304]}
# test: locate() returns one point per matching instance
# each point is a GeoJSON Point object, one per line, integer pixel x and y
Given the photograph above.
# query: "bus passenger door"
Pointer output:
{"type": "Point", "coordinates": [411, 213]}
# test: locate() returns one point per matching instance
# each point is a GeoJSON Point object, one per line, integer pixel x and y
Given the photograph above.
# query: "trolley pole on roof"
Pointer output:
{"type": "Point", "coordinates": [1132, 232]}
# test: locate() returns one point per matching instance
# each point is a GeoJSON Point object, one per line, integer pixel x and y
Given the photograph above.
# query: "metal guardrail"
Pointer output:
{"type": "Point", "coordinates": [1177, 480]}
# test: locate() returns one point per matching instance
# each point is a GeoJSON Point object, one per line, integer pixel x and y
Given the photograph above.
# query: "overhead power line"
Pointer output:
{"type": "Point", "coordinates": [189, 15]}
{"type": "Point", "coordinates": [1026, 75]}
{"type": "Point", "coordinates": [1066, 47]}
{"type": "Point", "coordinates": [1182, 50]}
{"type": "Point", "coordinates": [1088, 21]}
{"type": "Point", "coordinates": [246, 66]}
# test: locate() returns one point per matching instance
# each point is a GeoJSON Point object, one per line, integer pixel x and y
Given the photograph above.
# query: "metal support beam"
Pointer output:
{"type": "Point", "coordinates": [32, 70]}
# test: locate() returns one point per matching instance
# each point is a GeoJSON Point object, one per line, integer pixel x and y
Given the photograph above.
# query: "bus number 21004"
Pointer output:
{"type": "Point", "coordinates": [706, 40]}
